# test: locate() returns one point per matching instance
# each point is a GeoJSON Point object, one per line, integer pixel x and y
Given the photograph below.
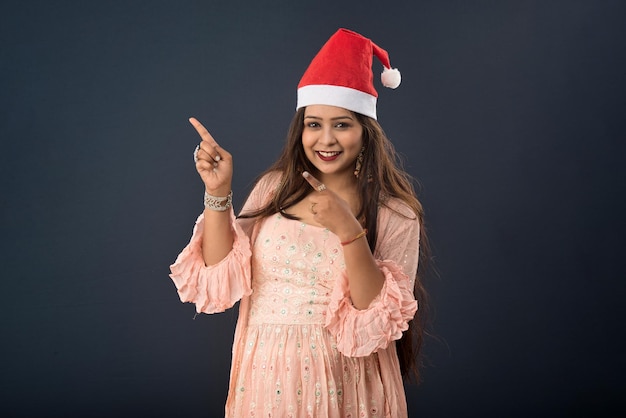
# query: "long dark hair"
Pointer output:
{"type": "Point", "coordinates": [381, 177]}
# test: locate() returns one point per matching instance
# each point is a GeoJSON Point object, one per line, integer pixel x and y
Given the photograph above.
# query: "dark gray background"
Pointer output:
{"type": "Point", "coordinates": [510, 113]}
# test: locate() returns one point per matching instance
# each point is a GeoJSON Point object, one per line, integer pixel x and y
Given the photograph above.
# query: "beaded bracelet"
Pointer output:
{"type": "Point", "coordinates": [217, 203]}
{"type": "Point", "coordinates": [359, 235]}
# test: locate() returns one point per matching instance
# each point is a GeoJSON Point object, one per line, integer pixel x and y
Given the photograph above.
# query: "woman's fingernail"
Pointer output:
{"type": "Point", "coordinates": [217, 158]}
{"type": "Point", "coordinates": [305, 174]}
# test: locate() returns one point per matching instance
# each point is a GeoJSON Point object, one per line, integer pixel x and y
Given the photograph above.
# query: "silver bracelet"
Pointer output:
{"type": "Point", "coordinates": [219, 204]}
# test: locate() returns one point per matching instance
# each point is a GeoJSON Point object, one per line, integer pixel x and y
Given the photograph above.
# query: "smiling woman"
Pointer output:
{"type": "Point", "coordinates": [323, 255]}
{"type": "Point", "coordinates": [332, 139]}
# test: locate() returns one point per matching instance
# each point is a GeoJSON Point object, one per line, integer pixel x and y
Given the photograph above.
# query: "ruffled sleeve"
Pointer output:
{"type": "Point", "coordinates": [362, 332]}
{"type": "Point", "coordinates": [218, 287]}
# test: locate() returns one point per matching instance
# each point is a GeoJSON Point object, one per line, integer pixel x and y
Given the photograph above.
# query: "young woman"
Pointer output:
{"type": "Point", "coordinates": [323, 255]}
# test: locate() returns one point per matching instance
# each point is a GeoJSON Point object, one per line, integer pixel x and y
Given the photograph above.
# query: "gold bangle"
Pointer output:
{"type": "Point", "coordinates": [359, 235]}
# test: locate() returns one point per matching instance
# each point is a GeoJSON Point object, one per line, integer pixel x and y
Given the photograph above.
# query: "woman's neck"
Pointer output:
{"type": "Point", "coordinates": [341, 184]}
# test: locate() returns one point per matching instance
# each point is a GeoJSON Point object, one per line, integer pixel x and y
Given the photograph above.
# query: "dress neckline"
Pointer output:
{"type": "Point", "coordinates": [280, 216]}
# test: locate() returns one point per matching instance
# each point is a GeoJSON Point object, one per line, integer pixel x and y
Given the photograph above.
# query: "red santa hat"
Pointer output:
{"type": "Point", "coordinates": [341, 74]}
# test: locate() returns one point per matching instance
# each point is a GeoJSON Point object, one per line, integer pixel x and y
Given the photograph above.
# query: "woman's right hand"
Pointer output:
{"type": "Point", "coordinates": [214, 163]}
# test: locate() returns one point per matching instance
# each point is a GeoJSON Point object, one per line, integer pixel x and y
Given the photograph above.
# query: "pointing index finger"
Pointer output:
{"type": "Point", "coordinates": [202, 131]}
{"type": "Point", "coordinates": [315, 183]}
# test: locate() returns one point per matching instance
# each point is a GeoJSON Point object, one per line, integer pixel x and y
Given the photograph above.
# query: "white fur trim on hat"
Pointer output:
{"type": "Point", "coordinates": [351, 99]}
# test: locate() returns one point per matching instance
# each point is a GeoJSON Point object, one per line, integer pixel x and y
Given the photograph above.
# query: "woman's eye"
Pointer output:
{"type": "Point", "coordinates": [312, 125]}
{"type": "Point", "coordinates": [342, 125]}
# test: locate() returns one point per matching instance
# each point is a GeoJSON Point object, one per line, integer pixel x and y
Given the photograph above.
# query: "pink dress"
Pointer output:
{"type": "Point", "coordinates": [301, 349]}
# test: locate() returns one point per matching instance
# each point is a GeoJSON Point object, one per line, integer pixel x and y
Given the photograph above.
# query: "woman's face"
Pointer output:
{"type": "Point", "coordinates": [332, 139]}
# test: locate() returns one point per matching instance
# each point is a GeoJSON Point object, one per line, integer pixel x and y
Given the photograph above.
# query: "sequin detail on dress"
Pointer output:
{"type": "Point", "coordinates": [289, 358]}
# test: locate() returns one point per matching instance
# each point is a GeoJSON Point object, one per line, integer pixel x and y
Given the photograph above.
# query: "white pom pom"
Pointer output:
{"type": "Point", "coordinates": [391, 78]}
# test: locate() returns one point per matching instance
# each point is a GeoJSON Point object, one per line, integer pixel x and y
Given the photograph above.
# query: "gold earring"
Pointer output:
{"type": "Point", "coordinates": [359, 163]}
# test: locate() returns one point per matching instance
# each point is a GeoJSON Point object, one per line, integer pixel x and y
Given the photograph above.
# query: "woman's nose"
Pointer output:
{"type": "Point", "coordinates": [328, 136]}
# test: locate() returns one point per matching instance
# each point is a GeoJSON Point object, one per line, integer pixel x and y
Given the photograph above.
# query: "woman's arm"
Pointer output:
{"type": "Point", "coordinates": [362, 332]}
{"type": "Point", "coordinates": [364, 276]}
{"type": "Point", "coordinates": [217, 240]}
{"type": "Point", "coordinates": [215, 167]}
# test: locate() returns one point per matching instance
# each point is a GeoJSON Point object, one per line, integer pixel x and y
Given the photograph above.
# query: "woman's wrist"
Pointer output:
{"type": "Point", "coordinates": [350, 232]}
{"type": "Point", "coordinates": [218, 203]}
{"type": "Point", "coordinates": [358, 236]}
{"type": "Point", "coordinates": [221, 191]}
